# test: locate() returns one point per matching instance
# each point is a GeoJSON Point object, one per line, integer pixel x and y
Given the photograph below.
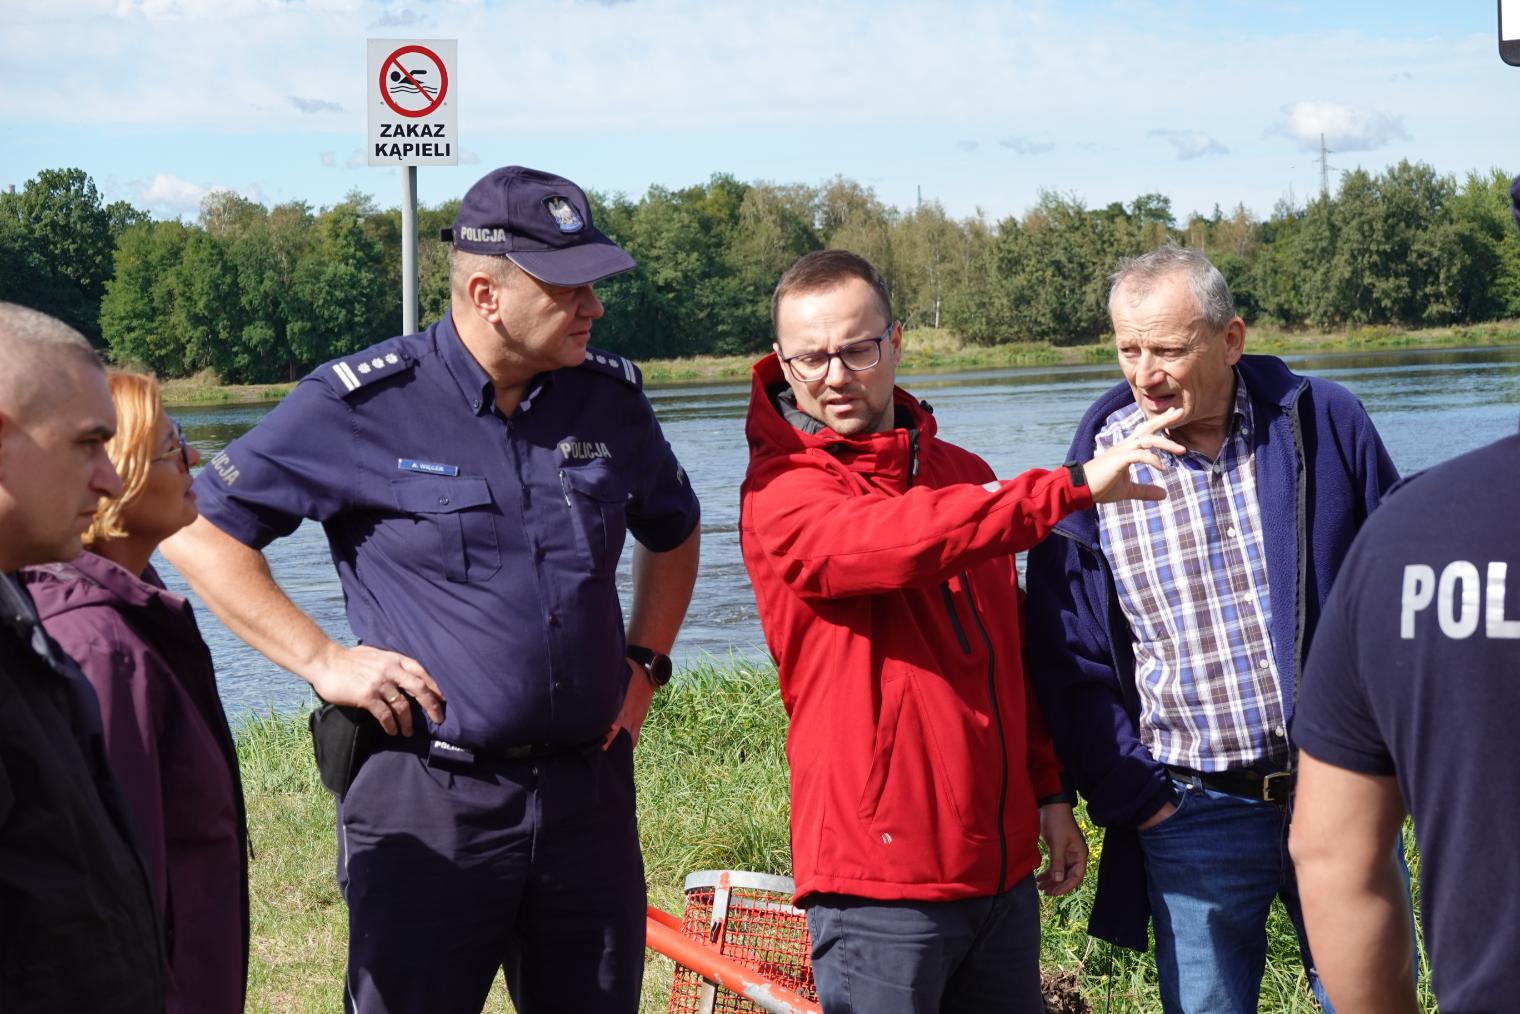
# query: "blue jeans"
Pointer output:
{"type": "Point", "coordinates": [928, 957]}
{"type": "Point", "coordinates": [1213, 868]}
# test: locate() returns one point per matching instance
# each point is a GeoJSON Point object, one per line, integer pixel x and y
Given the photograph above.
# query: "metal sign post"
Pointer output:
{"type": "Point", "coordinates": [409, 249]}
{"type": "Point", "coordinates": [413, 120]}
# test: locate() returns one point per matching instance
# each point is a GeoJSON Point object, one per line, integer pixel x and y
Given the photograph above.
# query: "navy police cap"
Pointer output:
{"type": "Point", "coordinates": [541, 222]}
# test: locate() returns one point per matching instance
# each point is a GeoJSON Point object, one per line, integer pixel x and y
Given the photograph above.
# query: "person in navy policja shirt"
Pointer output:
{"type": "Point", "coordinates": [1409, 703]}
{"type": "Point", "coordinates": [476, 482]}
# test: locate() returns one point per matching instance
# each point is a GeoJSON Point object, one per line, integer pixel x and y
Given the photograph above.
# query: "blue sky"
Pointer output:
{"type": "Point", "coordinates": [980, 103]}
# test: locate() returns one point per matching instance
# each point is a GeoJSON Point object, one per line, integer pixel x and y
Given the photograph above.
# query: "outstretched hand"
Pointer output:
{"type": "Point", "coordinates": [1108, 476]}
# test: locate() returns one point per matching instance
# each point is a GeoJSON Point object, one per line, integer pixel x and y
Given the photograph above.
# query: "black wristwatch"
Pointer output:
{"type": "Point", "coordinates": [655, 665]}
{"type": "Point", "coordinates": [1077, 473]}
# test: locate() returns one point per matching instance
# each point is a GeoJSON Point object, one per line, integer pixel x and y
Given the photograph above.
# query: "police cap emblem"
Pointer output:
{"type": "Point", "coordinates": [564, 214]}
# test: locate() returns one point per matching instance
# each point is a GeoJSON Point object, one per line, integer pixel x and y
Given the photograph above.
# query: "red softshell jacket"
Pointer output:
{"type": "Point", "coordinates": [883, 566]}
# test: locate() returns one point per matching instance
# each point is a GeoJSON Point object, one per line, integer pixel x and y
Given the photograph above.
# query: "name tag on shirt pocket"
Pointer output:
{"type": "Point", "coordinates": [462, 513]}
{"type": "Point", "coordinates": [598, 501]}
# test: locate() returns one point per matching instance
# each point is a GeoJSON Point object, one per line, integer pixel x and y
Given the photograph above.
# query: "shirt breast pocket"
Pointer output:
{"type": "Point", "coordinates": [462, 515]}
{"type": "Point", "coordinates": [598, 501]}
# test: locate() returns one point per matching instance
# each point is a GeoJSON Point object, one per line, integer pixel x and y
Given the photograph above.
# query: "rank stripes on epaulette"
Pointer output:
{"type": "Point", "coordinates": [355, 373]}
{"type": "Point", "coordinates": [618, 365]}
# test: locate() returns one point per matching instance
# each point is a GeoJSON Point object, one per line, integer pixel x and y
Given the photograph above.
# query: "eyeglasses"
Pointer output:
{"type": "Point", "coordinates": [181, 449]}
{"type": "Point", "coordinates": [857, 357]}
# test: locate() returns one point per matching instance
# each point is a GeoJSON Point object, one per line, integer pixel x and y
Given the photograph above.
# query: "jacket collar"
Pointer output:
{"type": "Point", "coordinates": [90, 579]}
{"type": "Point", "coordinates": [1271, 387]}
{"type": "Point", "coordinates": [777, 428]}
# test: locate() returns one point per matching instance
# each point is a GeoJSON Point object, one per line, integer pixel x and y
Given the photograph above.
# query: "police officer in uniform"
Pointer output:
{"type": "Point", "coordinates": [1409, 708]}
{"type": "Point", "coordinates": [476, 482]}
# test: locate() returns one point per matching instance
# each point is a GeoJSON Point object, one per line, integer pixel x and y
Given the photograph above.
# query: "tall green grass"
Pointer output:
{"type": "Point", "coordinates": [713, 794]}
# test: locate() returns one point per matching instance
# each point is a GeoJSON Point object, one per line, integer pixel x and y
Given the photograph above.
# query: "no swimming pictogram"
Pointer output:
{"type": "Point", "coordinates": [414, 86]}
{"type": "Point", "coordinates": [413, 89]}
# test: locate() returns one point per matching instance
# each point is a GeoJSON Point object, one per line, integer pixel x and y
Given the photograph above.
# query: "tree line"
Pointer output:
{"type": "Point", "coordinates": [261, 294]}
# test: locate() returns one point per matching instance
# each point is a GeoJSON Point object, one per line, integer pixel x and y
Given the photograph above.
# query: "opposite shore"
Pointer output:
{"type": "Point", "coordinates": [938, 351]}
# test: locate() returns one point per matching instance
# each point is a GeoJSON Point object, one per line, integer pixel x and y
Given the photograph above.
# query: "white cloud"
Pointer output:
{"type": "Point", "coordinates": [1190, 144]}
{"type": "Point", "coordinates": [967, 145]}
{"type": "Point", "coordinates": [169, 195]}
{"type": "Point", "coordinates": [1027, 145]}
{"type": "Point", "coordinates": [404, 18]}
{"type": "Point", "coordinates": [329, 159]}
{"type": "Point", "coordinates": [168, 192]}
{"type": "Point", "coordinates": [1345, 127]}
{"type": "Point", "coordinates": [314, 105]}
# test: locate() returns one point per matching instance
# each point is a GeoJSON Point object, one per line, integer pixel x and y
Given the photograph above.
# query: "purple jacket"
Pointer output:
{"type": "Point", "coordinates": [1320, 470]}
{"type": "Point", "coordinates": [173, 754]}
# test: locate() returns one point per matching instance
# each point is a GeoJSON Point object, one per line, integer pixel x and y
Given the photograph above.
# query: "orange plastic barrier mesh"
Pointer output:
{"type": "Point", "coordinates": [750, 919]}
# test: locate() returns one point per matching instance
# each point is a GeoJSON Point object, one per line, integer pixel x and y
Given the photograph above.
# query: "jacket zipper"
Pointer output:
{"type": "Point", "coordinates": [1296, 428]}
{"type": "Point", "coordinates": [997, 721]}
{"type": "Point", "coordinates": [955, 620]}
{"type": "Point", "coordinates": [912, 456]}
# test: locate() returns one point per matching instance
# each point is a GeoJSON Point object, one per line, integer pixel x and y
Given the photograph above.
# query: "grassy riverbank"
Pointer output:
{"type": "Point", "coordinates": [926, 350]}
{"type": "Point", "coordinates": [712, 777]}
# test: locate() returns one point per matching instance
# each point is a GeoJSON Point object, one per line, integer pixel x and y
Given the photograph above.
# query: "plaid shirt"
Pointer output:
{"type": "Point", "coordinates": [1192, 581]}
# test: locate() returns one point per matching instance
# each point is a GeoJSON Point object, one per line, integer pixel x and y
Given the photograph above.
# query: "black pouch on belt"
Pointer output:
{"type": "Point", "coordinates": [341, 737]}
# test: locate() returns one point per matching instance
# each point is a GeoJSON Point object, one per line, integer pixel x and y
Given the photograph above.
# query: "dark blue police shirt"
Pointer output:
{"type": "Point", "coordinates": [1415, 673]}
{"type": "Point", "coordinates": [485, 548]}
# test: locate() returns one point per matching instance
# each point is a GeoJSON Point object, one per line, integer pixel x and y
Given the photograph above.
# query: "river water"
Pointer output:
{"type": "Point", "coordinates": [1428, 405]}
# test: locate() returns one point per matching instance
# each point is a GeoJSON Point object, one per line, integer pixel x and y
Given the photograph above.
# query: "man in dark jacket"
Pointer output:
{"type": "Point", "coordinates": [1167, 637]}
{"type": "Point", "coordinates": [77, 931]}
{"type": "Point", "coordinates": [882, 559]}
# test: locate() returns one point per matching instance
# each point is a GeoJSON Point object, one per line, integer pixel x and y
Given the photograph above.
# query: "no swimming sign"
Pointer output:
{"type": "Point", "coordinates": [413, 113]}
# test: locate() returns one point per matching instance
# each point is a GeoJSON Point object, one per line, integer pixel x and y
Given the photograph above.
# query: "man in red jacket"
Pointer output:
{"type": "Point", "coordinates": [883, 564]}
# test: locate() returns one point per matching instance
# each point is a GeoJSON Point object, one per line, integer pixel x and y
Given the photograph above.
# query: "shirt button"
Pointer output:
{"type": "Point", "coordinates": [554, 619]}
{"type": "Point", "coordinates": [1264, 663]}
{"type": "Point", "coordinates": [1230, 532]}
{"type": "Point", "coordinates": [443, 500]}
{"type": "Point", "coordinates": [1280, 732]}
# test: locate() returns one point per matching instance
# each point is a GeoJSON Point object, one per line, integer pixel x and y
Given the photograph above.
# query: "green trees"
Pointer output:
{"type": "Point", "coordinates": [259, 294]}
{"type": "Point", "coordinates": [56, 246]}
{"type": "Point", "coordinates": [252, 293]}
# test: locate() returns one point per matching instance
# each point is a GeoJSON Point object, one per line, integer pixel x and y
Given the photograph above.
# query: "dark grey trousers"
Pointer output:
{"type": "Point", "coordinates": [928, 957]}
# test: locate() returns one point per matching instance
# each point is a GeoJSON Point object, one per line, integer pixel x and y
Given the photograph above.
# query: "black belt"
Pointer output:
{"type": "Point", "coordinates": [451, 753]}
{"type": "Point", "coordinates": [1273, 785]}
{"type": "Point", "coordinates": [437, 751]}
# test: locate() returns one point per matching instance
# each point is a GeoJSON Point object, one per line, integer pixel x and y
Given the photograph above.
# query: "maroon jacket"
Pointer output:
{"type": "Point", "coordinates": [172, 752]}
